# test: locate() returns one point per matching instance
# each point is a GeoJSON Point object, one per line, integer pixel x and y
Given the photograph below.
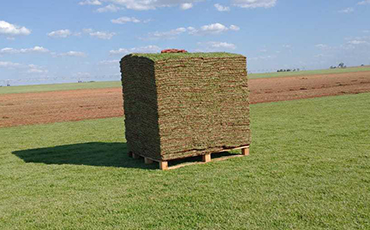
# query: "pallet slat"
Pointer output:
{"type": "Point", "coordinates": [163, 165]}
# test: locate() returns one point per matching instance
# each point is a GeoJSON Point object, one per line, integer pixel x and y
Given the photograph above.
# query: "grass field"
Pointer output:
{"type": "Point", "coordinates": [110, 84]}
{"type": "Point", "coordinates": [309, 169]}
{"type": "Point", "coordinates": [310, 72]}
{"type": "Point", "coordinates": [57, 87]}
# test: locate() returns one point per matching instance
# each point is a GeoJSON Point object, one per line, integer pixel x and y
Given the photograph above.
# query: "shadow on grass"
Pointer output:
{"type": "Point", "coordinates": [95, 154]}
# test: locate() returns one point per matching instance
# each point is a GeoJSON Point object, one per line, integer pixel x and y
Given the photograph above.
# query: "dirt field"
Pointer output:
{"type": "Point", "coordinates": [74, 105]}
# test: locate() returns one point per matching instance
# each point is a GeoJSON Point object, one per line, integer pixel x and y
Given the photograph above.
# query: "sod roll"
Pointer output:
{"type": "Point", "coordinates": [185, 104]}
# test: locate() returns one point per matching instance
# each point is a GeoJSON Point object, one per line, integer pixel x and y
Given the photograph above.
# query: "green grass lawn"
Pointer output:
{"type": "Point", "coordinates": [113, 84]}
{"type": "Point", "coordinates": [309, 169]}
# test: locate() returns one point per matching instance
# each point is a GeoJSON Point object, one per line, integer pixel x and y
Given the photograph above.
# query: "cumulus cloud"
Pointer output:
{"type": "Point", "coordinates": [267, 57]}
{"type": "Point", "coordinates": [167, 34]}
{"type": "Point", "coordinates": [211, 29]}
{"type": "Point", "coordinates": [358, 42]}
{"type": "Point", "coordinates": [347, 10]}
{"type": "Point", "coordinates": [123, 20]}
{"type": "Point", "coordinates": [186, 6]}
{"type": "Point", "coordinates": [90, 2]}
{"type": "Point", "coordinates": [254, 3]}
{"type": "Point", "coordinates": [323, 47]}
{"type": "Point", "coordinates": [109, 62]}
{"type": "Point", "coordinates": [30, 68]}
{"type": "Point", "coordinates": [72, 54]}
{"type": "Point", "coordinates": [216, 28]}
{"type": "Point", "coordinates": [8, 29]}
{"type": "Point", "coordinates": [60, 33]}
{"type": "Point", "coordinates": [36, 49]}
{"type": "Point", "coordinates": [99, 34]}
{"type": "Point", "coordinates": [143, 49]}
{"type": "Point", "coordinates": [215, 46]}
{"type": "Point", "coordinates": [366, 2]}
{"type": "Point", "coordinates": [152, 4]}
{"type": "Point", "coordinates": [9, 65]}
{"type": "Point", "coordinates": [36, 69]}
{"type": "Point", "coordinates": [115, 5]}
{"type": "Point", "coordinates": [102, 35]}
{"type": "Point", "coordinates": [221, 8]}
{"type": "Point", "coordinates": [108, 8]}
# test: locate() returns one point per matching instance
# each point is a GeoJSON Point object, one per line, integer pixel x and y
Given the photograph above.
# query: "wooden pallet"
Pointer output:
{"type": "Point", "coordinates": [163, 165]}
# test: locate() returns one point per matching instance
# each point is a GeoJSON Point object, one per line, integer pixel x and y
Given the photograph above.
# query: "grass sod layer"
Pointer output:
{"type": "Point", "coordinates": [185, 105]}
{"type": "Point", "coordinates": [309, 169]}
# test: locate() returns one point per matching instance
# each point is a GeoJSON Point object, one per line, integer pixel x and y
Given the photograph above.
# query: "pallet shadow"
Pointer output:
{"type": "Point", "coordinates": [92, 154]}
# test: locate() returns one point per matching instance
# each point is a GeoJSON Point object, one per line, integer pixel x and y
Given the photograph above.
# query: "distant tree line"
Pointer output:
{"type": "Point", "coordinates": [288, 70]}
{"type": "Point", "coordinates": [340, 66]}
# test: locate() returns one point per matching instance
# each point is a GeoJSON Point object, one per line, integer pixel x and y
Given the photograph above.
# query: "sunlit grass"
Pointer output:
{"type": "Point", "coordinates": [309, 169]}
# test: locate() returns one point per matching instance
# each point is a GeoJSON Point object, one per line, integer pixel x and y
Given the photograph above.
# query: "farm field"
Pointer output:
{"type": "Point", "coordinates": [74, 105]}
{"type": "Point", "coordinates": [309, 169]}
{"type": "Point", "coordinates": [114, 84]}
{"type": "Point", "coordinates": [312, 72]}
{"type": "Point", "coordinates": [59, 87]}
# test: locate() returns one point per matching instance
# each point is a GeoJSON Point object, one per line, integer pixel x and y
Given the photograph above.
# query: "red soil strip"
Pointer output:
{"type": "Point", "coordinates": [75, 105]}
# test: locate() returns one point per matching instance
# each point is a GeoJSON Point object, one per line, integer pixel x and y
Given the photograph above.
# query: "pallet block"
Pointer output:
{"type": "Point", "coordinates": [163, 165]}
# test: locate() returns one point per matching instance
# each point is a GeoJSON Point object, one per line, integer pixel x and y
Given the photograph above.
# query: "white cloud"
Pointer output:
{"type": "Point", "coordinates": [109, 62]}
{"type": "Point", "coordinates": [9, 65]}
{"type": "Point", "coordinates": [216, 46]}
{"type": "Point", "coordinates": [102, 35]}
{"type": "Point", "coordinates": [36, 69]}
{"type": "Point", "coordinates": [143, 49]}
{"type": "Point", "coordinates": [108, 8]}
{"type": "Point", "coordinates": [12, 30]}
{"type": "Point", "coordinates": [186, 6]}
{"type": "Point", "coordinates": [221, 8]}
{"type": "Point", "coordinates": [366, 31]}
{"type": "Point", "coordinates": [358, 42]}
{"type": "Point", "coordinates": [168, 34]}
{"type": "Point", "coordinates": [216, 28]}
{"type": "Point", "coordinates": [154, 4]}
{"type": "Point", "coordinates": [254, 3]}
{"type": "Point", "coordinates": [123, 20]}
{"type": "Point", "coordinates": [31, 68]}
{"type": "Point", "coordinates": [322, 46]}
{"type": "Point", "coordinates": [36, 49]}
{"type": "Point", "coordinates": [99, 34]}
{"type": "Point", "coordinates": [364, 2]}
{"type": "Point", "coordinates": [347, 10]}
{"type": "Point", "coordinates": [72, 54]}
{"type": "Point", "coordinates": [150, 4]}
{"type": "Point", "coordinates": [287, 46]}
{"type": "Point", "coordinates": [90, 2]}
{"type": "Point", "coordinates": [262, 58]}
{"type": "Point", "coordinates": [234, 27]}
{"type": "Point", "coordinates": [60, 33]}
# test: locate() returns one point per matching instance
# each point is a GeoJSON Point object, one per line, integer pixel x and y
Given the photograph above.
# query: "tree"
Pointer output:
{"type": "Point", "coordinates": [341, 65]}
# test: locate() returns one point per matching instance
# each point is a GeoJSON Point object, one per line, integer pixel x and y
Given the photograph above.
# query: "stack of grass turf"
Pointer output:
{"type": "Point", "coordinates": [182, 105]}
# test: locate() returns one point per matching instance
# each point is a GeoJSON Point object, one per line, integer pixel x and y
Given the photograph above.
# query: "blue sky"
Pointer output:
{"type": "Point", "coordinates": [63, 41]}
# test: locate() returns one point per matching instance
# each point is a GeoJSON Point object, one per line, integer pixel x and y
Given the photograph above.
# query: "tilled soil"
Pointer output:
{"type": "Point", "coordinates": [75, 105]}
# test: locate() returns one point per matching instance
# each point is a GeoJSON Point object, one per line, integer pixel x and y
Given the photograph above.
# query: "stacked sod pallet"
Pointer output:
{"type": "Point", "coordinates": [182, 105]}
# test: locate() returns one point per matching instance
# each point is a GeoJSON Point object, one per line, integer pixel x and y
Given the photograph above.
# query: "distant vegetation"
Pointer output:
{"type": "Point", "coordinates": [115, 84]}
